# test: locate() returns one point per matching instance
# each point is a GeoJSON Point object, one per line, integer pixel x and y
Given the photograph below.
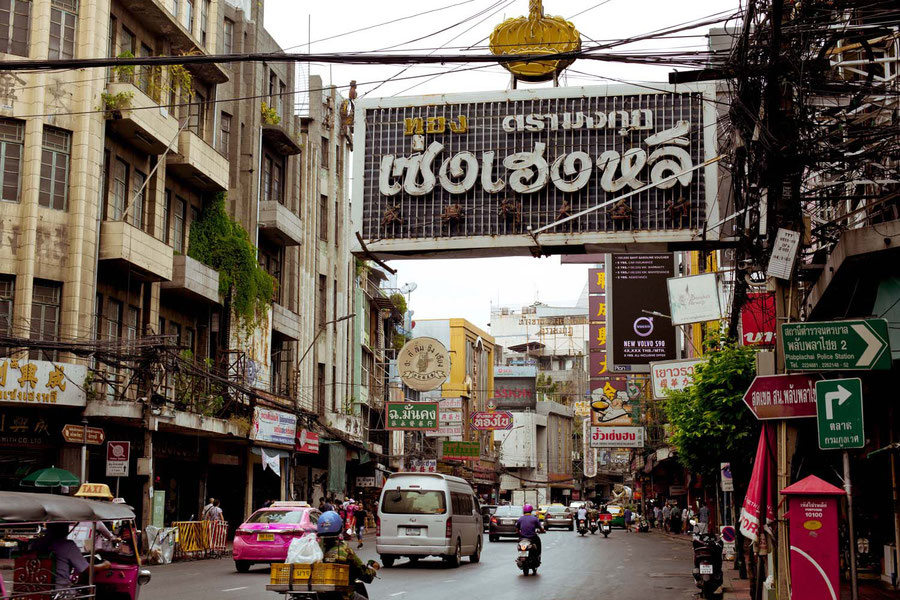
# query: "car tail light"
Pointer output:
{"type": "Point", "coordinates": [494, 520]}
{"type": "Point", "coordinates": [448, 532]}
{"type": "Point", "coordinates": [378, 527]}
{"type": "Point", "coordinates": [243, 532]}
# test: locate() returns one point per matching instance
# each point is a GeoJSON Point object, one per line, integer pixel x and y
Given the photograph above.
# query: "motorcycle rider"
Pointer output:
{"type": "Point", "coordinates": [581, 515]}
{"type": "Point", "coordinates": [528, 527]}
{"type": "Point", "coordinates": [336, 550]}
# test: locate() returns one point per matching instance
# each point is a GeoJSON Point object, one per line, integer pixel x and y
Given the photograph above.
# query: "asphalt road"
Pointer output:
{"type": "Point", "coordinates": [626, 566]}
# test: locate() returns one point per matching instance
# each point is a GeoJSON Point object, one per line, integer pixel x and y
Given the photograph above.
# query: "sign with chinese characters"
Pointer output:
{"type": "Point", "coordinates": [673, 375]}
{"type": "Point", "coordinates": [460, 450]}
{"type": "Point", "coordinates": [307, 442]}
{"type": "Point", "coordinates": [76, 434]}
{"type": "Point", "coordinates": [758, 320]}
{"type": "Point", "coordinates": [694, 299]}
{"type": "Point", "coordinates": [273, 426]}
{"type": "Point", "coordinates": [450, 416]}
{"type": "Point", "coordinates": [118, 455]}
{"type": "Point", "coordinates": [491, 421]}
{"type": "Point", "coordinates": [420, 465]}
{"type": "Point", "coordinates": [638, 290]}
{"type": "Point", "coordinates": [617, 437]}
{"type": "Point", "coordinates": [473, 173]}
{"type": "Point", "coordinates": [42, 382]}
{"type": "Point", "coordinates": [610, 403]}
{"type": "Point", "coordinates": [424, 364]}
{"type": "Point", "coordinates": [27, 430]}
{"type": "Point", "coordinates": [782, 396]}
{"type": "Point", "coordinates": [411, 416]}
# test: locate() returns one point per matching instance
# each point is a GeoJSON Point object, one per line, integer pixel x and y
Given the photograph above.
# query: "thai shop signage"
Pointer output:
{"type": "Point", "coordinates": [473, 173]}
{"type": "Point", "coordinates": [617, 437]}
{"type": "Point", "coordinates": [36, 382]}
{"type": "Point", "coordinates": [412, 416]}
{"type": "Point", "coordinates": [460, 450]}
{"type": "Point", "coordinates": [273, 426]}
{"type": "Point", "coordinates": [675, 376]}
{"type": "Point", "coordinates": [836, 345]}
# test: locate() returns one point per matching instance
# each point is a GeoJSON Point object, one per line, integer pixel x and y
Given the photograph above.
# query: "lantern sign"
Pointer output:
{"type": "Point", "coordinates": [476, 174]}
{"type": "Point", "coordinates": [491, 421]}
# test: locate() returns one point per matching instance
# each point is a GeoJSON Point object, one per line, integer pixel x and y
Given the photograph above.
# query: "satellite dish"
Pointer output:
{"type": "Point", "coordinates": [408, 288]}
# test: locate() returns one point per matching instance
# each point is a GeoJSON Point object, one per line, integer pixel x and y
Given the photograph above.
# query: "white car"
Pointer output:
{"type": "Point", "coordinates": [428, 514]}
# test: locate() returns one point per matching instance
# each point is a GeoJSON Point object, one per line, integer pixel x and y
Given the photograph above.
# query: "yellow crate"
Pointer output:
{"type": "Point", "coordinates": [280, 574]}
{"type": "Point", "coordinates": [301, 573]}
{"type": "Point", "coordinates": [330, 574]}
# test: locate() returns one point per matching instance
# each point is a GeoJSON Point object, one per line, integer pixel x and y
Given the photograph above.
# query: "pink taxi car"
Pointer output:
{"type": "Point", "coordinates": [266, 535]}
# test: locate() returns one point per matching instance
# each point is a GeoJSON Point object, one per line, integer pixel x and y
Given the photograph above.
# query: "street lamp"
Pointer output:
{"type": "Point", "coordinates": [321, 329]}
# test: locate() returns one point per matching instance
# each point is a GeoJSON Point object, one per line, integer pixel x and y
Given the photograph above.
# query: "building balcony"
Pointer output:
{"type": "Point", "coordinates": [280, 140]}
{"type": "Point", "coordinates": [285, 322]}
{"type": "Point", "coordinates": [198, 163]}
{"type": "Point", "coordinates": [149, 127]}
{"type": "Point", "coordinates": [153, 15]}
{"type": "Point", "coordinates": [279, 224]}
{"type": "Point", "coordinates": [143, 254]}
{"type": "Point", "coordinates": [193, 280]}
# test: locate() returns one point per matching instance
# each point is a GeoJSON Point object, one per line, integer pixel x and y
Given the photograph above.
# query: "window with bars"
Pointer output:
{"type": "Point", "coordinates": [325, 147]}
{"type": "Point", "coordinates": [114, 313]}
{"type": "Point", "coordinates": [273, 178]}
{"type": "Point", "coordinates": [144, 73]}
{"type": "Point", "coordinates": [197, 116]}
{"type": "Point", "coordinates": [228, 37]}
{"type": "Point", "coordinates": [271, 259]}
{"type": "Point", "coordinates": [7, 294]}
{"type": "Point", "coordinates": [323, 217]}
{"type": "Point", "coordinates": [190, 339]}
{"type": "Point", "coordinates": [127, 43]}
{"type": "Point", "coordinates": [12, 137]}
{"type": "Point", "coordinates": [188, 21]}
{"type": "Point", "coordinates": [136, 210]}
{"type": "Point", "coordinates": [178, 217]}
{"type": "Point", "coordinates": [14, 26]}
{"type": "Point", "coordinates": [45, 309]}
{"type": "Point", "coordinates": [204, 20]}
{"type": "Point", "coordinates": [119, 190]}
{"type": "Point", "coordinates": [57, 146]}
{"type": "Point", "coordinates": [320, 389]}
{"type": "Point", "coordinates": [224, 134]}
{"type": "Point", "coordinates": [132, 325]}
{"type": "Point", "coordinates": [321, 302]}
{"type": "Point", "coordinates": [63, 17]}
{"type": "Point", "coordinates": [175, 331]}
{"type": "Point", "coordinates": [166, 211]}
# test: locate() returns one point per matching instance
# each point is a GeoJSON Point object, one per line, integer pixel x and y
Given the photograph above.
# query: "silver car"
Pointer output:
{"type": "Point", "coordinates": [561, 518]}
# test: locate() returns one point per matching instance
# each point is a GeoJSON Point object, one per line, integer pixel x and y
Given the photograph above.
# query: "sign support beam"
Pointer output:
{"type": "Point", "coordinates": [854, 582]}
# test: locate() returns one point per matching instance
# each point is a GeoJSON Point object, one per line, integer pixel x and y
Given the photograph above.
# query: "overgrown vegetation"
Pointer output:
{"type": "Point", "coordinates": [220, 242]}
{"type": "Point", "coordinates": [269, 114]}
{"type": "Point", "coordinates": [710, 423]}
{"type": "Point", "coordinates": [545, 387]}
{"type": "Point", "coordinates": [124, 72]}
{"type": "Point", "coordinates": [399, 302]}
{"type": "Point", "coordinates": [114, 103]}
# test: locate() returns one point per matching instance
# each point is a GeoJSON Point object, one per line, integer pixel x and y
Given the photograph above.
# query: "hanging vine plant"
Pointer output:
{"type": "Point", "coordinates": [220, 242]}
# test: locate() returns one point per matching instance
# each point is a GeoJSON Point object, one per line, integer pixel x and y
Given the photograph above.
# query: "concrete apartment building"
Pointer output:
{"type": "Point", "coordinates": [104, 171]}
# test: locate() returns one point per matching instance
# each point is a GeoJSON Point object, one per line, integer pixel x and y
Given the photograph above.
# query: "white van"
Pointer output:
{"type": "Point", "coordinates": [428, 514]}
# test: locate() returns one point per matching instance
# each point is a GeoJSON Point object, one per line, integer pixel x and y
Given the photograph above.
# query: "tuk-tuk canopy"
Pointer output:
{"type": "Point", "coordinates": [22, 507]}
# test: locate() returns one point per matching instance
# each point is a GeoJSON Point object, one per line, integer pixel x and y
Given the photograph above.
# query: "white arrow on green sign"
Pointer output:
{"type": "Point", "coordinates": [840, 414]}
{"type": "Point", "coordinates": [836, 345]}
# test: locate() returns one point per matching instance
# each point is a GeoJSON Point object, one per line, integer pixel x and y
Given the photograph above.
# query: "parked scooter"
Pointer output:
{"type": "Point", "coordinates": [707, 562]}
{"type": "Point", "coordinates": [582, 527]}
{"type": "Point", "coordinates": [529, 556]}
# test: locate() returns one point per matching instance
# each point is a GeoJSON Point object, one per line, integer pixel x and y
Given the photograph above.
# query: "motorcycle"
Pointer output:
{"type": "Point", "coordinates": [707, 562]}
{"type": "Point", "coordinates": [582, 527]}
{"type": "Point", "coordinates": [643, 525]}
{"type": "Point", "coordinates": [592, 525]}
{"type": "Point", "coordinates": [606, 524]}
{"type": "Point", "coordinates": [529, 557]}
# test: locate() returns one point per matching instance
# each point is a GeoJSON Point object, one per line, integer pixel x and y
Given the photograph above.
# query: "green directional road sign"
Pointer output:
{"type": "Point", "coordinates": [839, 411]}
{"type": "Point", "coordinates": [836, 346]}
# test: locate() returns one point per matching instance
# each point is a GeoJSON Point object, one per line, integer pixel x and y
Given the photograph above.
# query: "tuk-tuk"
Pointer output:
{"type": "Point", "coordinates": [35, 574]}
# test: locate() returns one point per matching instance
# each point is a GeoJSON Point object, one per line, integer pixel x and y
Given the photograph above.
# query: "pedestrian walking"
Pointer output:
{"type": "Point", "coordinates": [703, 519]}
{"type": "Point", "coordinates": [360, 515]}
{"type": "Point", "coordinates": [628, 519]}
{"type": "Point", "coordinates": [657, 517]}
{"type": "Point", "coordinates": [214, 513]}
{"type": "Point", "coordinates": [666, 514]}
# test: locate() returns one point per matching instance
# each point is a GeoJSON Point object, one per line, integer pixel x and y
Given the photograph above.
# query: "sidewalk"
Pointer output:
{"type": "Point", "coordinates": [734, 587]}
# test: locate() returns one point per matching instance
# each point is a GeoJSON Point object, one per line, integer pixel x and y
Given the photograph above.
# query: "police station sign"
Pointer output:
{"type": "Point", "coordinates": [473, 173]}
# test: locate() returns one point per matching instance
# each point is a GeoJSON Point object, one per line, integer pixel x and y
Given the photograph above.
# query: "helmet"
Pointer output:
{"type": "Point", "coordinates": [527, 508]}
{"type": "Point", "coordinates": [329, 523]}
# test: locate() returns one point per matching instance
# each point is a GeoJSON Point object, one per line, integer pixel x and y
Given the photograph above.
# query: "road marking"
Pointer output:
{"type": "Point", "coordinates": [397, 594]}
{"type": "Point", "coordinates": [449, 580]}
{"type": "Point", "coordinates": [235, 589]}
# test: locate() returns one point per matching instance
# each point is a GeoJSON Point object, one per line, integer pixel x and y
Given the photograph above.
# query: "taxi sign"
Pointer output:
{"type": "Point", "coordinates": [94, 490]}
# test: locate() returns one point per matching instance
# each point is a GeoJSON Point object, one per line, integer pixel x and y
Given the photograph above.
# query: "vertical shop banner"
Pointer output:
{"type": "Point", "coordinates": [758, 320]}
{"type": "Point", "coordinates": [639, 295]}
{"type": "Point", "coordinates": [590, 454]}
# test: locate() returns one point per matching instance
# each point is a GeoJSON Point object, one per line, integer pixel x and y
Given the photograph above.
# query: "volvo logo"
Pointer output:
{"type": "Point", "coordinates": [643, 326]}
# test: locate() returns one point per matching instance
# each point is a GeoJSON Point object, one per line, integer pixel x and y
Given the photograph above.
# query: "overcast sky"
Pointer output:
{"type": "Point", "coordinates": [467, 287]}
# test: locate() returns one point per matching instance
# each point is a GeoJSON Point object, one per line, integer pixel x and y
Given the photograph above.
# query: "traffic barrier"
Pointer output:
{"type": "Point", "coordinates": [200, 539]}
{"type": "Point", "coordinates": [216, 535]}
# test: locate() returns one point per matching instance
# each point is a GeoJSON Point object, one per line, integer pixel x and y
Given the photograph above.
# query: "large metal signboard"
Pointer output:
{"type": "Point", "coordinates": [639, 335]}
{"type": "Point", "coordinates": [836, 345]}
{"type": "Point", "coordinates": [475, 173]}
{"type": "Point", "coordinates": [840, 414]}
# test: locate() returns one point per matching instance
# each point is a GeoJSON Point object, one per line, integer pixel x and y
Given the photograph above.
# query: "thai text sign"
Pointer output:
{"type": "Point", "coordinates": [836, 345]}
{"type": "Point", "coordinates": [674, 375]}
{"type": "Point", "coordinates": [617, 437]}
{"type": "Point", "coordinates": [814, 537]}
{"type": "Point", "coordinates": [490, 421]}
{"type": "Point", "coordinates": [840, 414]}
{"type": "Point", "coordinates": [478, 170]}
{"type": "Point", "coordinates": [78, 434]}
{"type": "Point", "coordinates": [782, 396]}
{"type": "Point", "coordinates": [412, 416]}
{"type": "Point", "coordinates": [447, 430]}
{"type": "Point", "coordinates": [117, 458]}
{"type": "Point", "coordinates": [424, 364]}
{"type": "Point", "coordinates": [460, 450]}
{"type": "Point", "coordinates": [42, 382]}
{"type": "Point", "coordinates": [307, 442]}
{"type": "Point", "coordinates": [273, 426]}
{"type": "Point", "coordinates": [758, 320]}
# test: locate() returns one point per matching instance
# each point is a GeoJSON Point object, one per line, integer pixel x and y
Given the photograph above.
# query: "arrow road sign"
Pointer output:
{"type": "Point", "coordinates": [840, 414]}
{"type": "Point", "coordinates": [836, 345]}
{"type": "Point", "coordinates": [782, 396]}
{"type": "Point", "coordinates": [75, 434]}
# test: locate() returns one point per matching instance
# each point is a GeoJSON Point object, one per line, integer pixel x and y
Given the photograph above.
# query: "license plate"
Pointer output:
{"type": "Point", "coordinates": [265, 537]}
{"type": "Point", "coordinates": [706, 569]}
{"type": "Point", "coordinates": [523, 553]}
{"type": "Point", "coordinates": [413, 531]}
{"type": "Point", "coordinates": [507, 522]}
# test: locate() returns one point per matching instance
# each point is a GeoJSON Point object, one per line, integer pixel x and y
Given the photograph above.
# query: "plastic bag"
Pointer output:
{"type": "Point", "coordinates": [304, 550]}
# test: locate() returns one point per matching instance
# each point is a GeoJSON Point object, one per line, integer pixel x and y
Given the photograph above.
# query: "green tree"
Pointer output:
{"type": "Point", "coordinates": [710, 423]}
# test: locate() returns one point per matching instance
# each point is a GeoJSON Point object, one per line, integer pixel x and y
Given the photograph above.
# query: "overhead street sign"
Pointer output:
{"type": "Point", "coordinates": [836, 345]}
{"type": "Point", "coordinates": [782, 396]}
{"type": "Point", "coordinates": [74, 434]}
{"type": "Point", "coordinates": [840, 414]}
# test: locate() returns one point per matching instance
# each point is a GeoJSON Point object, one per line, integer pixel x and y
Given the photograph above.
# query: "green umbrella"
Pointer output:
{"type": "Point", "coordinates": [51, 477]}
